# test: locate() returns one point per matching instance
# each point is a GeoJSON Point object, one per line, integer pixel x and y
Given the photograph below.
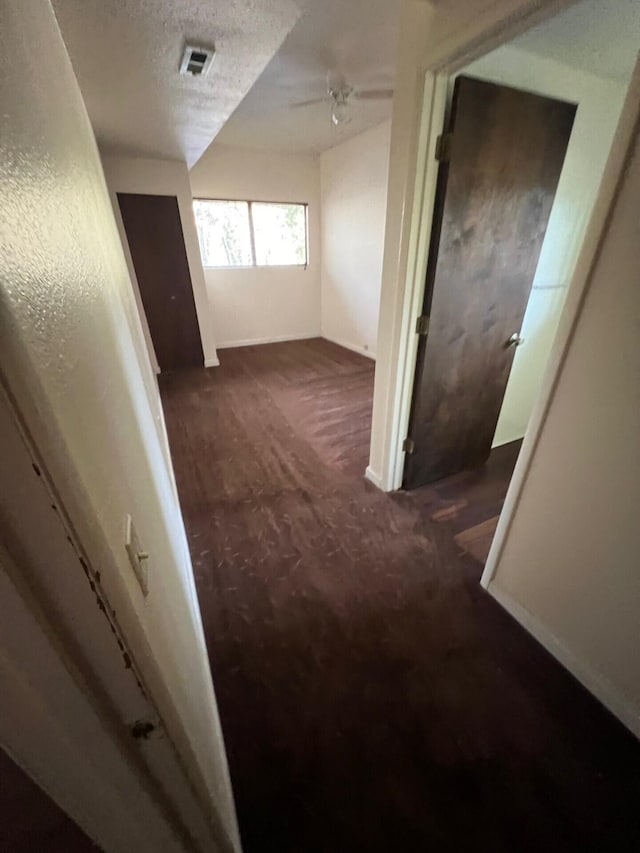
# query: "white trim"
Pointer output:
{"type": "Point", "coordinates": [212, 362]}
{"type": "Point", "coordinates": [372, 477]}
{"type": "Point", "coordinates": [353, 347]}
{"type": "Point", "coordinates": [434, 105]}
{"type": "Point", "coordinates": [245, 267]}
{"type": "Point", "coordinates": [594, 681]}
{"type": "Point", "coordinates": [250, 342]}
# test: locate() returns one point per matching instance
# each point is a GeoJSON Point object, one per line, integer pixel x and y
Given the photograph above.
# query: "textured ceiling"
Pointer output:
{"type": "Point", "coordinates": [599, 36]}
{"type": "Point", "coordinates": [355, 37]}
{"type": "Point", "coordinates": [126, 55]}
{"type": "Point", "coordinates": [271, 54]}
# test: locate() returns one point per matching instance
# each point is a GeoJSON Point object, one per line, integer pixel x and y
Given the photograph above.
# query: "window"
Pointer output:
{"type": "Point", "coordinates": [223, 232]}
{"type": "Point", "coordinates": [279, 234]}
{"type": "Point", "coordinates": [251, 233]}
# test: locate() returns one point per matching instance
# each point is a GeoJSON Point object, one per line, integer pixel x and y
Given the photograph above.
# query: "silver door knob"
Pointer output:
{"type": "Point", "coordinates": [515, 340]}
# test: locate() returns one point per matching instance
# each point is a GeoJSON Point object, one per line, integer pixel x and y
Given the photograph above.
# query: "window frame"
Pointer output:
{"type": "Point", "coordinates": [252, 241]}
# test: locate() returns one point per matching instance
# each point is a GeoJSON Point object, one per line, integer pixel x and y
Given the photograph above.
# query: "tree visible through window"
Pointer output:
{"type": "Point", "coordinates": [244, 234]}
{"type": "Point", "coordinates": [224, 233]}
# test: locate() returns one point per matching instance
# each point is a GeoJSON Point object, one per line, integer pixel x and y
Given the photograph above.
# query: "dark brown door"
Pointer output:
{"type": "Point", "coordinates": [505, 152]}
{"type": "Point", "coordinates": [154, 234]}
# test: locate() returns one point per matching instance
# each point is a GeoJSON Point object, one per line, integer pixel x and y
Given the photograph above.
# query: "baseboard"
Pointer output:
{"type": "Point", "coordinates": [352, 347]}
{"type": "Point", "coordinates": [372, 477]}
{"type": "Point", "coordinates": [212, 362]}
{"type": "Point", "coordinates": [249, 342]}
{"type": "Point", "coordinates": [593, 681]}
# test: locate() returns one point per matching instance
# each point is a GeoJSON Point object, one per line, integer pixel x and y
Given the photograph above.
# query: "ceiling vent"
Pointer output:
{"type": "Point", "coordinates": [196, 61]}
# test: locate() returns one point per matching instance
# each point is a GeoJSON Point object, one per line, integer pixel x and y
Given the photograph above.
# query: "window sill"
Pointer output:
{"type": "Point", "coordinates": [262, 267]}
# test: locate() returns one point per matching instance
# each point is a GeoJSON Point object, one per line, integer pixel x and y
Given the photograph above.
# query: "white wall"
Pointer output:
{"type": "Point", "coordinates": [163, 177]}
{"type": "Point", "coordinates": [263, 304]}
{"type": "Point", "coordinates": [353, 178]}
{"type": "Point", "coordinates": [569, 563]}
{"type": "Point", "coordinates": [74, 359]}
{"type": "Point", "coordinates": [599, 104]}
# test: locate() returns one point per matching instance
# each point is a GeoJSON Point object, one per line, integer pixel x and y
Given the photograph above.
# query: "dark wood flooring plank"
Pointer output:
{"type": "Point", "coordinates": [373, 697]}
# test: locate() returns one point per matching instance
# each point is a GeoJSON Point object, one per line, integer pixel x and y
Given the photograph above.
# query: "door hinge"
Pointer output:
{"type": "Point", "coordinates": [443, 147]}
{"type": "Point", "coordinates": [422, 325]}
{"type": "Point", "coordinates": [408, 445]}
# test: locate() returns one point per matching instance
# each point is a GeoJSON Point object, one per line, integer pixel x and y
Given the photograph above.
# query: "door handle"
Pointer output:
{"type": "Point", "coordinates": [515, 340]}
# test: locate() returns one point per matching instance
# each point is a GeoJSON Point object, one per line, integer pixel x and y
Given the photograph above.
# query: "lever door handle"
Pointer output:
{"type": "Point", "coordinates": [515, 340]}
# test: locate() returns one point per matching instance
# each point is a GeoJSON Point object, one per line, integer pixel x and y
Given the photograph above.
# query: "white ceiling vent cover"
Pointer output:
{"type": "Point", "coordinates": [196, 61]}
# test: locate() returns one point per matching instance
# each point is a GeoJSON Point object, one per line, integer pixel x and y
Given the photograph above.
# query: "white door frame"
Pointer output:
{"type": "Point", "coordinates": [458, 50]}
{"type": "Point", "coordinates": [448, 58]}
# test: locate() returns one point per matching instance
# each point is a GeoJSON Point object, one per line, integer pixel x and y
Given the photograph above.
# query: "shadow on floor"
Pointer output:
{"type": "Point", "coordinates": [30, 822]}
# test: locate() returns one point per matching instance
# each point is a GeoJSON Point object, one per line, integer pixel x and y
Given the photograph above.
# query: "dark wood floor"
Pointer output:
{"type": "Point", "coordinates": [373, 697]}
{"type": "Point", "coordinates": [470, 503]}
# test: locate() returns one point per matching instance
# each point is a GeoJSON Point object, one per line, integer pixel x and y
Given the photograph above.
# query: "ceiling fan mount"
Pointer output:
{"type": "Point", "coordinates": [339, 95]}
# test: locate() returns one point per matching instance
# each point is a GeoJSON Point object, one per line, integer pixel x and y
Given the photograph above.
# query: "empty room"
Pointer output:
{"type": "Point", "coordinates": [319, 397]}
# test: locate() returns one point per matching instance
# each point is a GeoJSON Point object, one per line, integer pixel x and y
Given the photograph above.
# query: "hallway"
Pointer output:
{"type": "Point", "coordinates": [373, 697]}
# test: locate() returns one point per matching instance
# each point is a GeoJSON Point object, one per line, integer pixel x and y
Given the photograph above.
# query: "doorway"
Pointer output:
{"type": "Point", "coordinates": [500, 162]}
{"type": "Point", "coordinates": [470, 392]}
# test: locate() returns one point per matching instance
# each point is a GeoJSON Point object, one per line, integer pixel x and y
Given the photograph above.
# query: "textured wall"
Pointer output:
{"type": "Point", "coordinates": [74, 357]}
{"type": "Point", "coordinates": [354, 199]}
{"type": "Point", "coordinates": [263, 304]}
